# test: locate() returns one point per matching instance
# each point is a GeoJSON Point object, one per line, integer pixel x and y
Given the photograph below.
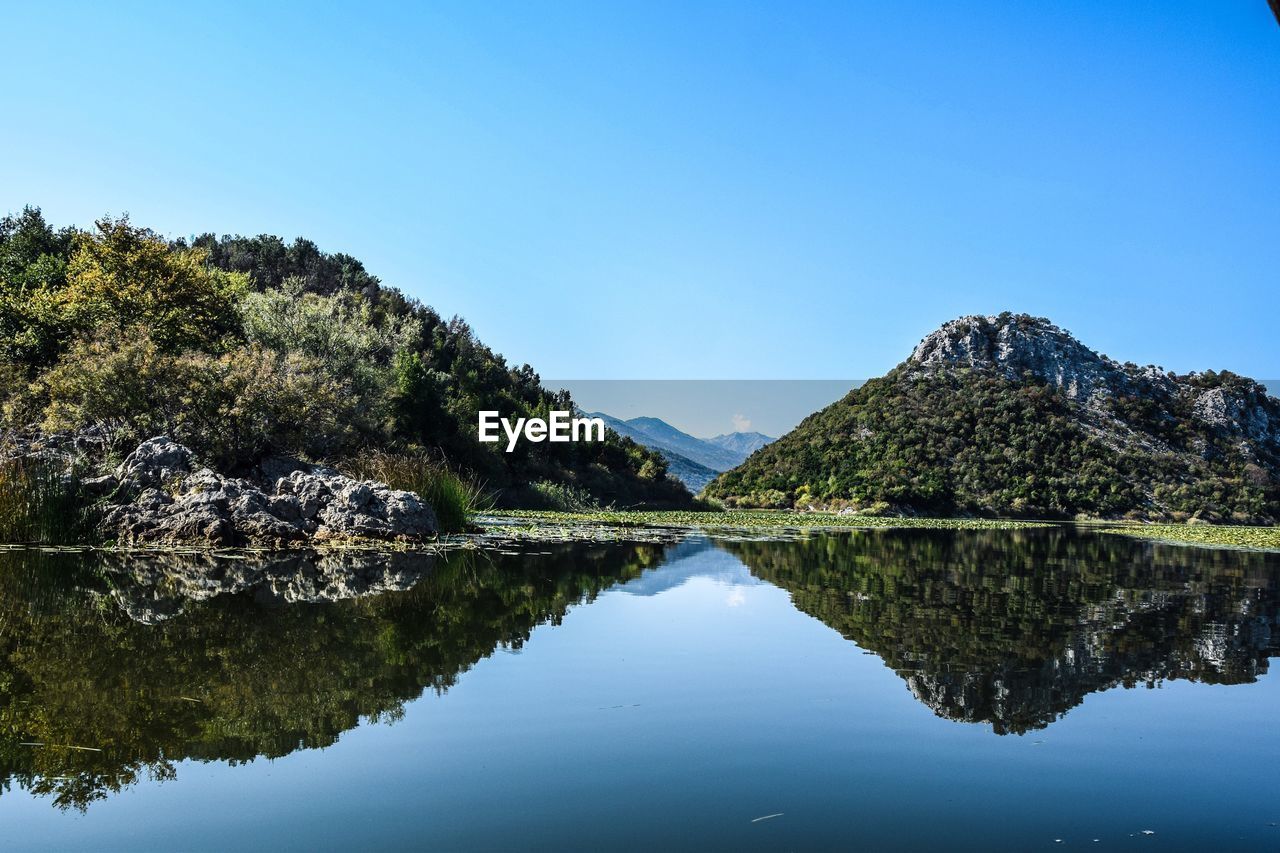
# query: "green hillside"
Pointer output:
{"type": "Point", "coordinates": [240, 347]}
{"type": "Point", "coordinates": [1009, 415]}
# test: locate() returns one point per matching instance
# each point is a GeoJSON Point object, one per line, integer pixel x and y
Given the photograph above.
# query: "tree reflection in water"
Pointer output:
{"type": "Point", "coordinates": [1016, 628]}
{"type": "Point", "coordinates": [121, 665]}
{"type": "Point", "coordinates": [142, 661]}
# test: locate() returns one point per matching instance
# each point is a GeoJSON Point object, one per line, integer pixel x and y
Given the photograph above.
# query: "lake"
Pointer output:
{"type": "Point", "coordinates": [875, 690]}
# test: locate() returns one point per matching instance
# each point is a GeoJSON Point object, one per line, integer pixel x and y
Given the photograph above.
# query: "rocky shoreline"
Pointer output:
{"type": "Point", "coordinates": [158, 497]}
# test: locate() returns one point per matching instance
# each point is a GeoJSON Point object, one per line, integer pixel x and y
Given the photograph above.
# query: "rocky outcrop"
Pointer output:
{"type": "Point", "coordinates": [1015, 346]}
{"type": "Point", "coordinates": [1020, 347]}
{"type": "Point", "coordinates": [160, 499]}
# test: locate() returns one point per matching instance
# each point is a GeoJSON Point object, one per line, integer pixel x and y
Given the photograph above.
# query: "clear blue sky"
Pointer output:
{"type": "Point", "coordinates": [653, 190]}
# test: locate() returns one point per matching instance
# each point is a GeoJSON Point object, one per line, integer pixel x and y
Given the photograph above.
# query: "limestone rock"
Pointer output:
{"type": "Point", "coordinates": [1017, 345]}
{"type": "Point", "coordinates": [165, 502]}
{"type": "Point", "coordinates": [155, 461]}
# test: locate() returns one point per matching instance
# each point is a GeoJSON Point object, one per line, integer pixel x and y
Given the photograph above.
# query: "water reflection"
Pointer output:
{"type": "Point", "coordinates": [115, 667]}
{"type": "Point", "coordinates": [1014, 629]}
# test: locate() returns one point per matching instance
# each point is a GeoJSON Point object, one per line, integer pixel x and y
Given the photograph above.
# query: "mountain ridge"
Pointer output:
{"type": "Point", "coordinates": [745, 442]}
{"type": "Point", "coordinates": [1011, 415]}
{"type": "Point", "coordinates": [694, 461]}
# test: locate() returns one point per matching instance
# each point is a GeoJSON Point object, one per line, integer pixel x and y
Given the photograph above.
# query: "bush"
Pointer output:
{"type": "Point", "coordinates": [563, 497]}
{"type": "Point", "coordinates": [122, 276]}
{"type": "Point", "coordinates": [341, 332]}
{"type": "Point", "coordinates": [454, 498]}
{"type": "Point", "coordinates": [229, 409]}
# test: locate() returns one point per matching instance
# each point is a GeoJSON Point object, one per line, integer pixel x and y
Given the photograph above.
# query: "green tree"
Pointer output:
{"type": "Point", "coordinates": [121, 276]}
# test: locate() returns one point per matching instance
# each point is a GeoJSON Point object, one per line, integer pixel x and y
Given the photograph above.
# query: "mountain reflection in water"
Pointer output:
{"type": "Point", "coordinates": [117, 666]}
{"type": "Point", "coordinates": [1015, 629]}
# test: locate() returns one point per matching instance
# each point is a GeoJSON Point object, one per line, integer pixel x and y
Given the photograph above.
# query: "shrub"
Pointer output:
{"type": "Point", "coordinates": [229, 408]}
{"type": "Point", "coordinates": [454, 498]}
{"type": "Point", "coordinates": [122, 276]}
{"type": "Point", "coordinates": [563, 497]}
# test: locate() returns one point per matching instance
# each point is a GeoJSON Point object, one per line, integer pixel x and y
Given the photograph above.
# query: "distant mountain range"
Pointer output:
{"type": "Point", "coordinates": [745, 443]}
{"type": "Point", "coordinates": [1011, 415]}
{"type": "Point", "coordinates": [694, 461]}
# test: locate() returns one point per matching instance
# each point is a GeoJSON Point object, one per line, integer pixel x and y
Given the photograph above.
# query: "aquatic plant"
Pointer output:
{"type": "Point", "coordinates": [758, 519]}
{"type": "Point", "coordinates": [561, 497]}
{"type": "Point", "coordinates": [41, 504]}
{"type": "Point", "coordinates": [1220, 535]}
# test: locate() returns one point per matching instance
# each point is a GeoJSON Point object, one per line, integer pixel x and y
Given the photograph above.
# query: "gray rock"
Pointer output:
{"type": "Point", "coordinates": [274, 467]}
{"type": "Point", "coordinates": [154, 461]}
{"type": "Point", "coordinates": [286, 507]}
{"type": "Point", "coordinates": [97, 487]}
{"type": "Point", "coordinates": [167, 503]}
{"type": "Point", "coordinates": [1014, 346]}
{"type": "Point", "coordinates": [152, 499]}
{"type": "Point", "coordinates": [171, 523]}
{"type": "Point", "coordinates": [1237, 414]}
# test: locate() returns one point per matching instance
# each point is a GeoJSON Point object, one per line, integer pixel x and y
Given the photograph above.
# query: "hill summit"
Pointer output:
{"type": "Point", "coordinates": [1011, 415]}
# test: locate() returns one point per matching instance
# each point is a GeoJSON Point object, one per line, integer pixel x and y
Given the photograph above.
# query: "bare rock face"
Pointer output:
{"type": "Point", "coordinates": [1241, 412]}
{"type": "Point", "coordinates": [165, 502]}
{"type": "Point", "coordinates": [1018, 346]}
{"type": "Point", "coordinates": [1015, 346]}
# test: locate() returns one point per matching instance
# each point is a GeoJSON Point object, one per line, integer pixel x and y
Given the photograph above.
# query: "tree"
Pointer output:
{"type": "Point", "coordinates": [121, 276]}
{"type": "Point", "coordinates": [33, 261]}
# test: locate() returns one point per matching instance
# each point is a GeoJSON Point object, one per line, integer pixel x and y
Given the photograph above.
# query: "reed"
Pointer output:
{"type": "Point", "coordinates": [39, 504]}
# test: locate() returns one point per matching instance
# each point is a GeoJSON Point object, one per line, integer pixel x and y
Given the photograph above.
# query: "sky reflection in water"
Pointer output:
{"type": "Point", "coordinates": [874, 690]}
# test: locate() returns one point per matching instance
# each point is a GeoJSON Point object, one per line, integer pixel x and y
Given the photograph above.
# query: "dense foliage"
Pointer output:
{"type": "Point", "coordinates": [241, 347]}
{"type": "Point", "coordinates": [971, 441]}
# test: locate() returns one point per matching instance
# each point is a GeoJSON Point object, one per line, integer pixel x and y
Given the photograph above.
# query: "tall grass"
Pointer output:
{"type": "Point", "coordinates": [454, 498]}
{"type": "Point", "coordinates": [564, 497]}
{"type": "Point", "coordinates": [39, 505]}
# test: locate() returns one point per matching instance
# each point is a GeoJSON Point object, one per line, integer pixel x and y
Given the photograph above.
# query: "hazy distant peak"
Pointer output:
{"type": "Point", "coordinates": [692, 460]}
{"type": "Point", "coordinates": [745, 443]}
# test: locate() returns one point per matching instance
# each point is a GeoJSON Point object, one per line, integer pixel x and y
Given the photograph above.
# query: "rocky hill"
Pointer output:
{"type": "Point", "coordinates": [1011, 415]}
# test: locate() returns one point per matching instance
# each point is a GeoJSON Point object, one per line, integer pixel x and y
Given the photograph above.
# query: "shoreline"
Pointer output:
{"type": "Point", "coordinates": [497, 529]}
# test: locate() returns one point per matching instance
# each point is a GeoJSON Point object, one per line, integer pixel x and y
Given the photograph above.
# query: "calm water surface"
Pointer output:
{"type": "Point", "coordinates": [860, 691]}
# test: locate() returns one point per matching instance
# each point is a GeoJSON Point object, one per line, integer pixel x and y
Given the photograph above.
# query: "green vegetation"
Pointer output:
{"type": "Point", "coordinates": [454, 497]}
{"type": "Point", "coordinates": [558, 497]}
{"type": "Point", "coordinates": [967, 441]}
{"type": "Point", "coordinates": [243, 347]}
{"type": "Point", "coordinates": [1204, 534]}
{"type": "Point", "coordinates": [755, 519]}
{"type": "Point", "coordinates": [38, 505]}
